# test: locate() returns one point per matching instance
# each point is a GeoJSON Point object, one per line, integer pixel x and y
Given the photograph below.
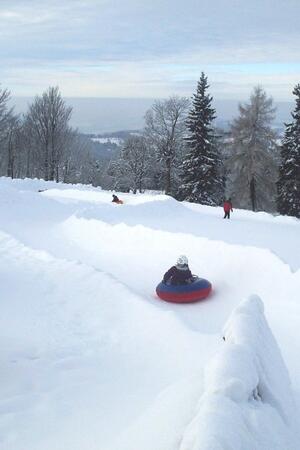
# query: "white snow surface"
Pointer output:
{"type": "Point", "coordinates": [90, 358]}
{"type": "Point", "coordinates": [247, 392]}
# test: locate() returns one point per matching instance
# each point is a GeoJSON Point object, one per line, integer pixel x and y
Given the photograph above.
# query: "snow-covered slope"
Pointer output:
{"type": "Point", "coordinates": [91, 359]}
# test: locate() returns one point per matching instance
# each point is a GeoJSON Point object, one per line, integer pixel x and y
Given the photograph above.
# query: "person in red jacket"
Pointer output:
{"type": "Point", "coordinates": [227, 208]}
{"type": "Point", "coordinates": [179, 274]}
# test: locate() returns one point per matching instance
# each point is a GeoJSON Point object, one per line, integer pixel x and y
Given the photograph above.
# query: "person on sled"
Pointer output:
{"type": "Point", "coordinates": [227, 208]}
{"type": "Point", "coordinates": [116, 199]}
{"type": "Point", "coordinates": [179, 274]}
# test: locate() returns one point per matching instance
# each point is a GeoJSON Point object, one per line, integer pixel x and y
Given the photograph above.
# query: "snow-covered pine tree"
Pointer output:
{"type": "Point", "coordinates": [201, 175]}
{"type": "Point", "coordinates": [288, 185]}
{"type": "Point", "coordinates": [253, 166]}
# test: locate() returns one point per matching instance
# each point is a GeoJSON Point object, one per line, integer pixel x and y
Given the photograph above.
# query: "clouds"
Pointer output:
{"type": "Point", "coordinates": [131, 47]}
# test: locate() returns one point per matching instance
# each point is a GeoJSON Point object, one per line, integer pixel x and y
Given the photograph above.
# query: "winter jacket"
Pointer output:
{"type": "Point", "coordinates": [178, 276]}
{"type": "Point", "coordinates": [227, 206]}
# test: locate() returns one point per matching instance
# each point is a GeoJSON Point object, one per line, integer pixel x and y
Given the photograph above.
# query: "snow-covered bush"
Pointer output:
{"type": "Point", "coordinates": [247, 402]}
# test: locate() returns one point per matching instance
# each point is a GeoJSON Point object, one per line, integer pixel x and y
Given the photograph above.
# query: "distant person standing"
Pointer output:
{"type": "Point", "coordinates": [227, 208]}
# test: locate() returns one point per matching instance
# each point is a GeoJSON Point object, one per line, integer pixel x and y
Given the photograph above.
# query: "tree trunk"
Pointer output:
{"type": "Point", "coordinates": [46, 164]}
{"type": "Point", "coordinates": [52, 166]}
{"type": "Point", "coordinates": [10, 165]}
{"type": "Point", "coordinates": [28, 160]}
{"type": "Point", "coordinates": [168, 177]}
{"type": "Point", "coordinates": [253, 194]}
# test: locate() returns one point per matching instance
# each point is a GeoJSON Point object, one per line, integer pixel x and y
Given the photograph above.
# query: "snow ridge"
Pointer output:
{"type": "Point", "coordinates": [247, 402]}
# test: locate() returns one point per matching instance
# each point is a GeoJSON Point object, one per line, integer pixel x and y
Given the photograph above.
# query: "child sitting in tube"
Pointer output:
{"type": "Point", "coordinates": [179, 274]}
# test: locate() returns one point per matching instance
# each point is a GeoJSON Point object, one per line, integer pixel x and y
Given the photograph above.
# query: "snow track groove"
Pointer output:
{"type": "Point", "coordinates": [235, 271]}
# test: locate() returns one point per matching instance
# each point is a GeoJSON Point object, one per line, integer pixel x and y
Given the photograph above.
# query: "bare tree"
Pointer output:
{"type": "Point", "coordinates": [14, 147]}
{"type": "Point", "coordinates": [133, 165]}
{"type": "Point", "coordinates": [78, 161]}
{"type": "Point", "coordinates": [42, 144]}
{"type": "Point", "coordinates": [4, 118]}
{"type": "Point", "coordinates": [5, 112]}
{"type": "Point", "coordinates": [48, 124]}
{"type": "Point", "coordinates": [164, 130]}
{"type": "Point", "coordinates": [9, 136]}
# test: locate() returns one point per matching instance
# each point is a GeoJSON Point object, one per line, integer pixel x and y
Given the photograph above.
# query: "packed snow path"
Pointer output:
{"type": "Point", "coordinates": [86, 346]}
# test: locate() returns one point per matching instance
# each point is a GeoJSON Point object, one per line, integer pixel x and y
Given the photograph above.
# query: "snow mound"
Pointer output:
{"type": "Point", "coordinates": [247, 402]}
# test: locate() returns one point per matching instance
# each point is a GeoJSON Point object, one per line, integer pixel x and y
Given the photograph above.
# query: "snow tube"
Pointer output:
{"type": "Point", "coordinates": [184, 293]}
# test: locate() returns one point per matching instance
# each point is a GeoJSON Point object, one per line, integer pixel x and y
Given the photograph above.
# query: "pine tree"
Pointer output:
{"type": "Point", "coordinates": [288, 200]}
{"type": "Point", "coordinates": [201, 177]}
{"type": "Point", "coordinates": [253, 165]}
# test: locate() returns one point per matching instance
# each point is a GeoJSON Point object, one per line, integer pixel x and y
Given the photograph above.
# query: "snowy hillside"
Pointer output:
{"type": "Point", "coordinates": [91, 359]}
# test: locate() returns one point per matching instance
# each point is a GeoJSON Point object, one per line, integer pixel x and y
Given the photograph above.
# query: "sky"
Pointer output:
{"type": "Point", "coordinates": [142, 50]}
{"type": "Point", "coordinates": [105, 115]}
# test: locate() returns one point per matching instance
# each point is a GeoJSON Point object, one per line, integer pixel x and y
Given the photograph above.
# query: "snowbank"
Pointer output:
{"type": "Point", "coordinates": [247, 402]}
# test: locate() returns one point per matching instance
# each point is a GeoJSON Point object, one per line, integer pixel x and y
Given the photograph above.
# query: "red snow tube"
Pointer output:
{"type": "Point", "coordinates": [184, 293]}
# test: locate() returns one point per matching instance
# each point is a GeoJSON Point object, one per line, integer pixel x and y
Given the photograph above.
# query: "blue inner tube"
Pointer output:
{"type": "Point", "coordinates": [184, 293]}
